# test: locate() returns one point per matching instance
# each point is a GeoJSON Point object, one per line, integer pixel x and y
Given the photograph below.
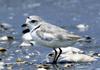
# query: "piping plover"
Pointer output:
{"type": "Point", "coordinates": [50, 35]}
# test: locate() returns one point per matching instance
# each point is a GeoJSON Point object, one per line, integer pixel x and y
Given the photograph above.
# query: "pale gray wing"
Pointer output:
{"type": "Point", "coordinates": [63, 34]}
{"type": "Point", "coordinates": [73, 37]}
{"type": "Point", "coordinates": [51, 32]}
{"type": "Point", "coordinates": [45, 36]}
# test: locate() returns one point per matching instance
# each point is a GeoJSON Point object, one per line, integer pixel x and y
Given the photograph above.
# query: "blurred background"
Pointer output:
{"type": "Point", "coordinates": [68, 14]}
{"type": "Point", "coordinates": [59, 12]}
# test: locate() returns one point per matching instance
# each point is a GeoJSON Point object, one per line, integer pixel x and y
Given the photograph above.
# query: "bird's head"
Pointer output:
{"type": "Point", "coordinates": [32, 22]}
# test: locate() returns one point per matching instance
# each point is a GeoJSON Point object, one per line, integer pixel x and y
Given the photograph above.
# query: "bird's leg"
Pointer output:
{"type": "Point", "coordinates": [60, 52]}
{"type": "Point", "coordinates": [54, 60]}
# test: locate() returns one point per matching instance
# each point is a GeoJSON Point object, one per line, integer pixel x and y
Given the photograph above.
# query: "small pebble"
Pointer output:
{"type": "Point", "coordinates": [2, 50]}
{"type": "Point", "coordinates": [7, 38]}
{"type": "Point", "coordinates": [10, 66]}
{"type": "Point", "coordinates": [68, 65]}
{"type": "Point", "coordinates": [44, 66]}
{"type": "Point", "coordinates": [2, 65]}
{"type": "Point", "coordinates": [27, 57]}
{"type": "Point", "coordinates": [41, 69]}
{"type": "Point", "coordinates": [82, 27]}
{"type": "Point", "coordinates": [20, 61]}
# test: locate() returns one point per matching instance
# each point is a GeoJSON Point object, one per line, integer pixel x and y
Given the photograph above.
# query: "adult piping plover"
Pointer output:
{"type": "Point", "coordinates": [50, 35]}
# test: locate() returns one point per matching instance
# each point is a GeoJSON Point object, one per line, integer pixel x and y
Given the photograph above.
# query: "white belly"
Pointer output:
{"type": "Point", "coordinates": [51, 44]}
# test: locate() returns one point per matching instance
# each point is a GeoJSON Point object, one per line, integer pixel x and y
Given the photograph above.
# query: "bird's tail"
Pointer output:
{"type": "Point", "coordinates": [86, 39]}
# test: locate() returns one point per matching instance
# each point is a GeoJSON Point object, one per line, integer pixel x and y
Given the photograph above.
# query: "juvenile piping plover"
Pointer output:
{"type": "Point", "coordinates": [50, 35]}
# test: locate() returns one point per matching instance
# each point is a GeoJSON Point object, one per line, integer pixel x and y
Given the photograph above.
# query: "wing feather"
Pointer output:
{"type": "Point", "coordinates": [51, 32]}
{"type": "Point", "coordinates": [45, 36]}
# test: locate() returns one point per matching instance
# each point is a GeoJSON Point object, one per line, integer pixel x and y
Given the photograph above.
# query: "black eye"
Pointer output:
{"type": "Point", "coordinates": [33, 21]}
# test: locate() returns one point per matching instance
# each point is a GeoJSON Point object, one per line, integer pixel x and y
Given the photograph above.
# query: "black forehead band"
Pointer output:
{"type": "Point", "coordinates": [25, 31]}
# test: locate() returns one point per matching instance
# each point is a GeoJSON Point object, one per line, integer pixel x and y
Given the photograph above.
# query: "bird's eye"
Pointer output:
{"type": "Point", "coordinates": [33, 21]}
